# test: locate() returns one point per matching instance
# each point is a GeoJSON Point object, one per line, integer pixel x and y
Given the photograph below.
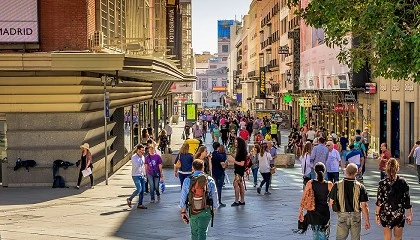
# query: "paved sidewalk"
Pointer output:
{"type": "Point", "coordinates": [102, 213]}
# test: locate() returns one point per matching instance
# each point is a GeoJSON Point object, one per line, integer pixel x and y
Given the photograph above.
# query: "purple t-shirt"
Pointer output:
{"type": "Point", "coordinates": [153, 163]}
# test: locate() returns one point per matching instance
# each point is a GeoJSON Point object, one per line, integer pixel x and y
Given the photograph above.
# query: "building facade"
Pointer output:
{"type": "Point", "coordinates": [91, 64]}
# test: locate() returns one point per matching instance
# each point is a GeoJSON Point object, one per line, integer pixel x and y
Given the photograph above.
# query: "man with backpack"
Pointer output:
{"type": "Point", "coordinates": [199, 196]}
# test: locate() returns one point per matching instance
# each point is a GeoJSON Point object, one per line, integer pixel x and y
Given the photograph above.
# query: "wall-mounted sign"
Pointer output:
{"type": "Point", "coordinates": [409, 87]}
{"type": "Point", "coordinates": [173, 41]}
{"type": "Point", "coordinates": [316, 107]}
{"type": "Point", "coordinates": [284, 50]}
{"type": "Point", "coordinates": [370, 88]}
{"type": "Point", "coordinates": [350, 97]}
{"type": "Point", "coordinates": [339, 108]}
{"type": "Point", "coordinates": [19, 21]}
{"type": "Point", "coordinates": [395, 87]}
{"type": "Point", "coordinates": [262, 83]}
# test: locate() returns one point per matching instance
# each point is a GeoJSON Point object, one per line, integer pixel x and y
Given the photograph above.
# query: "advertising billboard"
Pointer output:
{"type": "Point", "coordinates": [19, 21]}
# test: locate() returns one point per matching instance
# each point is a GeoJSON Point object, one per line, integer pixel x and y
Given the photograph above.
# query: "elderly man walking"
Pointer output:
{"type": "Point", "coordinates": [319, 154]}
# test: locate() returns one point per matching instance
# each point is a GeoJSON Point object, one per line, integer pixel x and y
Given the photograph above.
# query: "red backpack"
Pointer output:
{"type": "Point", "coordinates": [198, 194]}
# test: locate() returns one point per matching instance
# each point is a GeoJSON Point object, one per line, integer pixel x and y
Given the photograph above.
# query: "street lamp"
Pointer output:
{"type": "Point", "coordinates": [288, 77]}
{"type": "Point", "coordinates": [113, 81]}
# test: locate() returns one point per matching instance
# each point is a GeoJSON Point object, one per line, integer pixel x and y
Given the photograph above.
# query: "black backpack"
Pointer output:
{"type": "Point", "coordinates": [59, 182]}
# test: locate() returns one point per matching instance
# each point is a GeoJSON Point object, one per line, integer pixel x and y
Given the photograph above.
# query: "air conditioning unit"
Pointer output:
{"type": "Point", "coordinates": [96, 40]}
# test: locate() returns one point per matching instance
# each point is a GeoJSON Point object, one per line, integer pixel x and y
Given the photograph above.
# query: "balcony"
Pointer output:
{"type": "Point", "coordinates": [252, 74]}
{"type": "Point", "coordinates": [273, 64]}
{"type": "Point", "coordinates": [266, 43]}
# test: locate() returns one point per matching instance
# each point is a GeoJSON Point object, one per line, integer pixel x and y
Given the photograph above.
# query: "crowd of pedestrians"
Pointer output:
{"type": "Point", "coordinates": [249, 144]}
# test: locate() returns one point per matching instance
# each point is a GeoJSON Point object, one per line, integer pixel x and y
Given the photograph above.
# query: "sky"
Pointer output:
{"type": "Point", "coordinates": [205, 14]}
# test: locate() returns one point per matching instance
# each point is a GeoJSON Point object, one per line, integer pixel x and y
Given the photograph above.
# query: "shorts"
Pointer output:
{"type": "Point", "coordinates": [238, 178]}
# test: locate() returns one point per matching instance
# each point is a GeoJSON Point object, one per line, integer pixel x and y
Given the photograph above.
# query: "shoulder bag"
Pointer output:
{"type": "Point", "coordinates": [308, 199]}
{"type": "Point", "coordinates": [178, 162]}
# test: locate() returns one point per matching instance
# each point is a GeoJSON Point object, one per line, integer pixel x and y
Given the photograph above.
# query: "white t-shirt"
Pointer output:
{"type": "Point", "coordinates": [306, 158]}
{"type": "Point", "coordinates": [264, 162]}
{"type": "Point", "coordinates": [311, 134]}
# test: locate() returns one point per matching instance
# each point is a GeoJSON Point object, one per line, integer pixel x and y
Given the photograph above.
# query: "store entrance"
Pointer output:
{"type": "Point", "coordinates": [383, 121]}
{"type": "Point", "coordinates": [395, 129]}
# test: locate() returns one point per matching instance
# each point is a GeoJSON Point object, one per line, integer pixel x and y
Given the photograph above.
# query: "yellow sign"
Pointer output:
{"type": "Point", "coordinates": [262, 87]}
{"type": "Point", "coordinates": [191, 112]}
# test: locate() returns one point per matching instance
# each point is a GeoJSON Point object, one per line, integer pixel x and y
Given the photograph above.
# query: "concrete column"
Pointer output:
{"type": "Point", "coordinates": [118, 132]}
{"type": "Point", "coordinates": [155, 120]}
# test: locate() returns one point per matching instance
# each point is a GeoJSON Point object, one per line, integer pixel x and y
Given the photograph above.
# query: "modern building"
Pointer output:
{"type": "Point", "coordinates": [74, 75]}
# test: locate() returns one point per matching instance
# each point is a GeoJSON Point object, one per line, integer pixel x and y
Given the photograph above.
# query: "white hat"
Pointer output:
{"type": "Point", "coordinates": [85, 145]}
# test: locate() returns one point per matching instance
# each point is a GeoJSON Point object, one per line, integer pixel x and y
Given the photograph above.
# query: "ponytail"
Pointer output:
{"type": "Point", "coordinates": [320, 171]}
{"type": "Point", "coordinates": [319, 176]}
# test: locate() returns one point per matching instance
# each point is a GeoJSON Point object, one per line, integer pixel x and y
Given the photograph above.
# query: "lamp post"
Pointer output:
{"type": "Point", "coordinates": [113, 81]}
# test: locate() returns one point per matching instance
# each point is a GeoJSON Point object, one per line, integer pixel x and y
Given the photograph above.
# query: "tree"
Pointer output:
{"type": "Point", "coordinates": [387, 32]}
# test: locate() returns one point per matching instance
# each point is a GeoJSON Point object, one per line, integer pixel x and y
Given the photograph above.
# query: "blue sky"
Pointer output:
{"type": "Point", "coordinates": [205, 14]}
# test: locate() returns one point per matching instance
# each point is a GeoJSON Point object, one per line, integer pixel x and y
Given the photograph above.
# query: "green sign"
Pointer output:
{"type": "Point", "coordinates": [287, 98]}
{"type": "Point", "coordinates": [159, 110]}
{"type": "Point", "coordinates": [191, 112]}
{"type": "Point", "coordinates": [189, 101]}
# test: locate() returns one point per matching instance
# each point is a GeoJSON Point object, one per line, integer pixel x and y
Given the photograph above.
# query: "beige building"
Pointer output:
{"type": "Point", "coordinates": [79, 80]}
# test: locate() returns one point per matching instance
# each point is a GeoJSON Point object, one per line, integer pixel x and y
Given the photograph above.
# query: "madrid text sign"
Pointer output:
{"type": "Point", "coordinates": [19, 21]}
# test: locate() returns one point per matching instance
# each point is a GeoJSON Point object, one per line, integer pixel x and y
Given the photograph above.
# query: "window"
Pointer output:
{"type": "Point", "coordinates": [204, 99]}
{"type": "Point", "coordinates": [204, 87]}
{"type": "Point", "coordinates": [225, 48]}
{"type": "Point", "coordinates": [214, 100]}
{"type": "Point", "coordinates": [224, 83]}
{"type": "Point", "coordinates": [213, 83]}
{"type": "Point", "coordinates": [224, 59]}
{"type": "Point", "coordinates": [213, 66]}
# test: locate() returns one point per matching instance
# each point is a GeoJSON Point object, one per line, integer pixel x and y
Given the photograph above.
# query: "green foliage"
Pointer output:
{"type": "Point", "coordinates": [387, 31]}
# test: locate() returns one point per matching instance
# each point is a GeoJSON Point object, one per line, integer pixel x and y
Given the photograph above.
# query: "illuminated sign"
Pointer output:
{"type": "Point", "coordinates": [19, 21]}
{"type": "Point", "coordinates": [262, 83]}
{"type": "Point", "coordinates": [191, 110]}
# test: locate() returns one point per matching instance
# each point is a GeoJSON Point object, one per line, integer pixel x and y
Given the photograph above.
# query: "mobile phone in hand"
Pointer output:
{"type": "Point", "coordinates": [186, 219]}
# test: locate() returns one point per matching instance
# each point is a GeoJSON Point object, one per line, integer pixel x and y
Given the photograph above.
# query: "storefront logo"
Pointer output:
{"type": "Point", "coordinates": [18, 21]}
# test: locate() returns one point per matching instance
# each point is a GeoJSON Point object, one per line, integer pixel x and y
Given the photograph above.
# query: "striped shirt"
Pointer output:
{"type": "Point", "coordinates": [211, 190]}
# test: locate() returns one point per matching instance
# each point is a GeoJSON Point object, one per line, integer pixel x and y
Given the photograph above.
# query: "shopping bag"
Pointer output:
{"type": "Point", "coordinates": [87, 172]}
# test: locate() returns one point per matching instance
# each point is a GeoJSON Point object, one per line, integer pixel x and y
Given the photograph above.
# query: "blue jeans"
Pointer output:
{"type": "Point", "coordinates": [219, 180]}
{"type": "Point", "coordinates": [320, 232]}
{"type": "Point", "coordinates": [139, 181]}
{"type": "Point", "coordinates": [266, 180]}
{"type": "Point", "coordinates": [255, 175]}
{"type": "Point", "coordinates": [154, 186]}
{"type": "Point", "coordinates": [182, 177]}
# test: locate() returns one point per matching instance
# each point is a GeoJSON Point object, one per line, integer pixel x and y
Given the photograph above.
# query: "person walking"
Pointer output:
{"type": "Point", "coordinates": [186, 159]}
{"type": "Point", "coordinates": [255, 164]}
{"type": "Point", "coordinates": [416, 155]}
{"type": "Point", "coordinates": [348, 199]}
{"type": "Point", "coordinates": [163, 141]}
{"type": "Point", "coordinates": [154, 172]}
{"type": "Point", "coordinates": [138, 173]}
{"type": "Point", "coordinates": [333, 162]}
{"type": "Point", "coordinates": [383, 159]}
{"type": "Point", "coordinates": [319, 219]}
{"type": "Point", "coordinates": [169, 131]}
{"type": "Point", "coordinates": [393, 199]}
{"type": "Point", "coordinates": [239, 170]}
{"type": "Point", "coordinates": [199, 223]}
{"type": "Point", "coordinates": [218, 162]}
{"type": "Point", "coordinates": [319, 154]}
{"type": "Point", "coordinates": [264, 158]}
{"type": "Point", "coordinates": [85, 163]}
{"type": "Point", "coordinates": [356, 157]}
{"type": "Point", "coordinates": [305, 161]}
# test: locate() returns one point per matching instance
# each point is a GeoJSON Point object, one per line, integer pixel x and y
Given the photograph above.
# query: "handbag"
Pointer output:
{"type": "Point", "coordinates": [308, 198]}
{"type": "Point", "coordinates": [178, 162]}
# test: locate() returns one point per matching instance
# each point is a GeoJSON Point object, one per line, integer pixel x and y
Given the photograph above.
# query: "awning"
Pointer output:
{"type": "Point", "coordinates": [219, 89]}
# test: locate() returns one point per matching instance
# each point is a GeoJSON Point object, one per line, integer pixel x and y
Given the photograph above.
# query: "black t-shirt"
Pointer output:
{"type": "Point", "coordinates": [348, 194]}
{"type": "Point", "coordinates": [240, 170]}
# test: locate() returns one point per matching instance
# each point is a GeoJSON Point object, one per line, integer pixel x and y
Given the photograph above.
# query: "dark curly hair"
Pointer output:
{"type": "Point", "coordinates": [241, 151]}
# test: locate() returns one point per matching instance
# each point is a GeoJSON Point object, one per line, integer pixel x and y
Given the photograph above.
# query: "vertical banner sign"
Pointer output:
{"type": "Point", "coordinates": [173, 28]}
{"type": "Point", "coordinates": [191, 112]}
{"type": "Point", "coordinates": [159, 111]}
{"type": "Point", "coordinates": [262, 83]}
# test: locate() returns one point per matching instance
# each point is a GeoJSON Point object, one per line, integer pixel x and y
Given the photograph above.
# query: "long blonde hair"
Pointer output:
{"type": "Point", "coordinates": [199, 152]}
{"type": "Point", "coordinates": [185, 148]}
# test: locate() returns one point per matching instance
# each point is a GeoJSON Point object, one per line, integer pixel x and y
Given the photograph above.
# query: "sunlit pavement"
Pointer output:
{"type": "Point", "coordinates": [102, 213]}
